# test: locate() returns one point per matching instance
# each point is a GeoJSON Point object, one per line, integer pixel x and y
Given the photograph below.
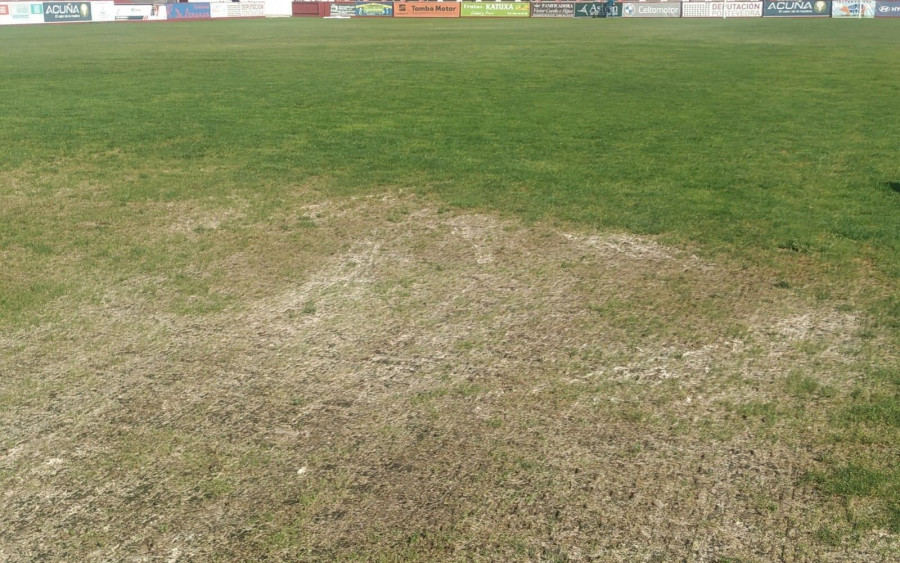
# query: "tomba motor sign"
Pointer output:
{"type": "Point", "coordinates": [67, 12]}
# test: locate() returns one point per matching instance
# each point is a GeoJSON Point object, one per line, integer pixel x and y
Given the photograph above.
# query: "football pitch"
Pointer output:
{"type": "Point", "coordinates": [396, 290]}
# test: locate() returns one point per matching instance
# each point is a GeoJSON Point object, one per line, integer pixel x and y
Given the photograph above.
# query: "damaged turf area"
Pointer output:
{"type": "Point", "coordinates": [381, 378]}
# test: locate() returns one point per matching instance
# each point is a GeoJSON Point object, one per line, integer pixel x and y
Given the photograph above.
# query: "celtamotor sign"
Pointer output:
{"type": "Point", "coordinates": [495, 10]}
{"type": "Point", "coordinates": [887, 9]}
{"type": "Point", "coordinates": [651, 10]}
{"type": "Point", "coordinates": [426, 9]}
{"type": "Point", "coordinates": [797, 8]}
{"type": "Point", "coordinates": [67, 12]}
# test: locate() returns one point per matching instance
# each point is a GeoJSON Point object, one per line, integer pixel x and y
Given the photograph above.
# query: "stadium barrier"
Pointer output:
{"type": "Point", "coordinates": [15, 12]}
{"type": "Point", "coordinates": [887, 9]}
{"type": "Point", "coordinates": [426, 9]}
{"type": "Point", "coordinates": [721, 9]}
{"type": "Point", "coordinates": [855, 9]}
{"type": "Point", "coordinates": [797, 8]}
{"type": "Point", "coordinates": [651, 10]}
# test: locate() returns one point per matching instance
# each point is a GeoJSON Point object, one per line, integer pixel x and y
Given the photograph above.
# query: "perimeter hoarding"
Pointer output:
{"type": "Point", "coordinates": [651, 10]}
{"type": "Point", "coordinates": [495, 10]}
{"type": "Point", "coordinates": [426, 9]}
{"type": "Point", "coordinates": [103, 11]}
{"type": "Point", "coordinates": [20, 13]}
{"type": "Point", "coordinates": [57, 12]}
{"type": "Point", "coordinates": [597, 10]}
{"type": "Point", "coordinates": [801, 8]}
{"type": "Point", "coordinates": [361, 9]}
{"type": "Point", "coordinates": [553, 9]}
{"type": "Point", "coordinates": [721, 9]}
{"type": "Point", "coordinates": [851, 9]}
{"type": "Point", "coordinates": [887, 9]}
{"type": "Point", "coordinates": [374, 9]}
{"type": "Point", "coordinates": [237, 9]}
{"type": "Point", "coordinates": [140, 12]}
{"type": "Point", "coordinates": [193, 11]}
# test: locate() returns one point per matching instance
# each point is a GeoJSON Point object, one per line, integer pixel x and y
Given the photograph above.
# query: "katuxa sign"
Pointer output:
{"type": "Point", "coordinates": [800, 8]}
{"type": "Point", "coordinates": [67, 12]}
{"type": "Point", "coordinates": [887, 9]}
{"type": "Point", "coordinates": [495, 10]}
{"type": "Point", "coordinates": [651, 10]}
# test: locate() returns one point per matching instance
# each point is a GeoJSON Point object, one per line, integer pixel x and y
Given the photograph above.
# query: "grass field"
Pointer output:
{"type": "Point", "coordinates": [399, 290]}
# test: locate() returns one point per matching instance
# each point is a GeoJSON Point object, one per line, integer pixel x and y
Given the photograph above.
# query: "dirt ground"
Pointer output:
{"type": "Point", "coordinates": [431, 385]}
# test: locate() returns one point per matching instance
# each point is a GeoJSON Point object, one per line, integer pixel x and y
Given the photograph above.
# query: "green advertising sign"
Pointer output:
{"type": "Point", "coordinates": [496, 9]}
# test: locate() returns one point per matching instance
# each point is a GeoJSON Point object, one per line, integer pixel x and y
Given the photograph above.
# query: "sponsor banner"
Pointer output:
{"type": "Point", "coordinates": [597, 10]}
{"type": "Point", "coordinates": [277, 8]}
{"type": "Point", "coordinates": [342, 10]}
{"type": "Point", "coordinates": [651, 10]}
{"type": "Point", "coordinates": [553, 10]}
{"type": "Point", "coordinates": [797, 8]}
{"type": "Point", "coordinates": [376, 9]}
{"type": "Point", "coordinates": [426, 9]}
{"type": "Point", "coordinates": [495, 10]}
{"type": "Point", "coordinates": [4, 10]}
{"type": "Point", "coordinates": [192, 11]}
{"type": "Point", "coordinates": [103, 11]}
{"type": "Point", "coordinates": [22, 13]}
{"type": "Point", "coordinates": [67, 12]}
{"type": "Point", "coordinates": [140, 12]}
{"type": "Point", "coordinates": [851, 9]}
{"type": "Point", "coordinates": [887, 9]}
{"type": "Point", "coordinates": [721, 9]}
{"type": "Point", "coordinates": [237, 10]}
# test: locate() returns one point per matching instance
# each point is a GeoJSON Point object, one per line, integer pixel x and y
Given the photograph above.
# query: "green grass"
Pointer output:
{"type": "Point", "coordinates": [770, 143]}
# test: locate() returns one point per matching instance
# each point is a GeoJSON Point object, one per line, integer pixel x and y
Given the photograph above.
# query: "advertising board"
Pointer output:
{"type": "Point", "coordinates": [103, 11]}
{"type": "Point", "coordinates": [193, 11]}
{"type": "Point", "coordinates": [851, 9]}
{"type": "Point", "coordinates": [56, 12]}
{"type": "Point", "coordinates": [597, 10]}
{"type": "Point", "coordinates": [797, 8]}
{"type": "Point", "coordinates": [140, 12]}
{"type": "Point", "coordinates": [495, 10]}
{"type": "Point", "coordinates": [651, 10]}
{"type": "Point", "coordinates": [721, 9]}
{"type": "Point", "coordinates": [15, 13]}
{"type": "Point", "coordinates": [887, 9]}
{"type": "Point", "coordinates": [237, 9]}
{"type": "Point", "coordinates": [553, 9]}
{"type": "Point", "coordinates": [426, 9]}
{"type": "Point", "coordinates": [374, 9]}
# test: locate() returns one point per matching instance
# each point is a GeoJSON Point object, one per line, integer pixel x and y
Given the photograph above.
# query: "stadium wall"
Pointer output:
{"type": "Point", "coordinates": [25, 12]}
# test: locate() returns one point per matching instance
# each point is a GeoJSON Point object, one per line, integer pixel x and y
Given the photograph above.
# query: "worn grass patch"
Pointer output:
{"type": "Point", "coordinates": [441, 384]}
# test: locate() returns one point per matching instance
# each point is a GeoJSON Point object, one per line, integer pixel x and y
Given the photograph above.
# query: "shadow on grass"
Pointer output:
{"type": "Point", "coordinates": [893, 185]}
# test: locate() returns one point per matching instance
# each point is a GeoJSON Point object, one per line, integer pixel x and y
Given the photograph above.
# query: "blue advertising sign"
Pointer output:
{"type": "Point", "coordinates": [191, 11]}
{"type": "Point", "coordinates": [887, 9]}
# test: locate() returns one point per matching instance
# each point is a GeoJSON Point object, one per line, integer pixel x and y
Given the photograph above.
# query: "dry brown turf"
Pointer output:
{"type": "Point", "coordinates": [432, 385]}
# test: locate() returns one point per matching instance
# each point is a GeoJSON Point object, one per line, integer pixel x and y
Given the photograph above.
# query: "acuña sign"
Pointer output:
{"type": "Point", "coordinates": [805, 8]}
